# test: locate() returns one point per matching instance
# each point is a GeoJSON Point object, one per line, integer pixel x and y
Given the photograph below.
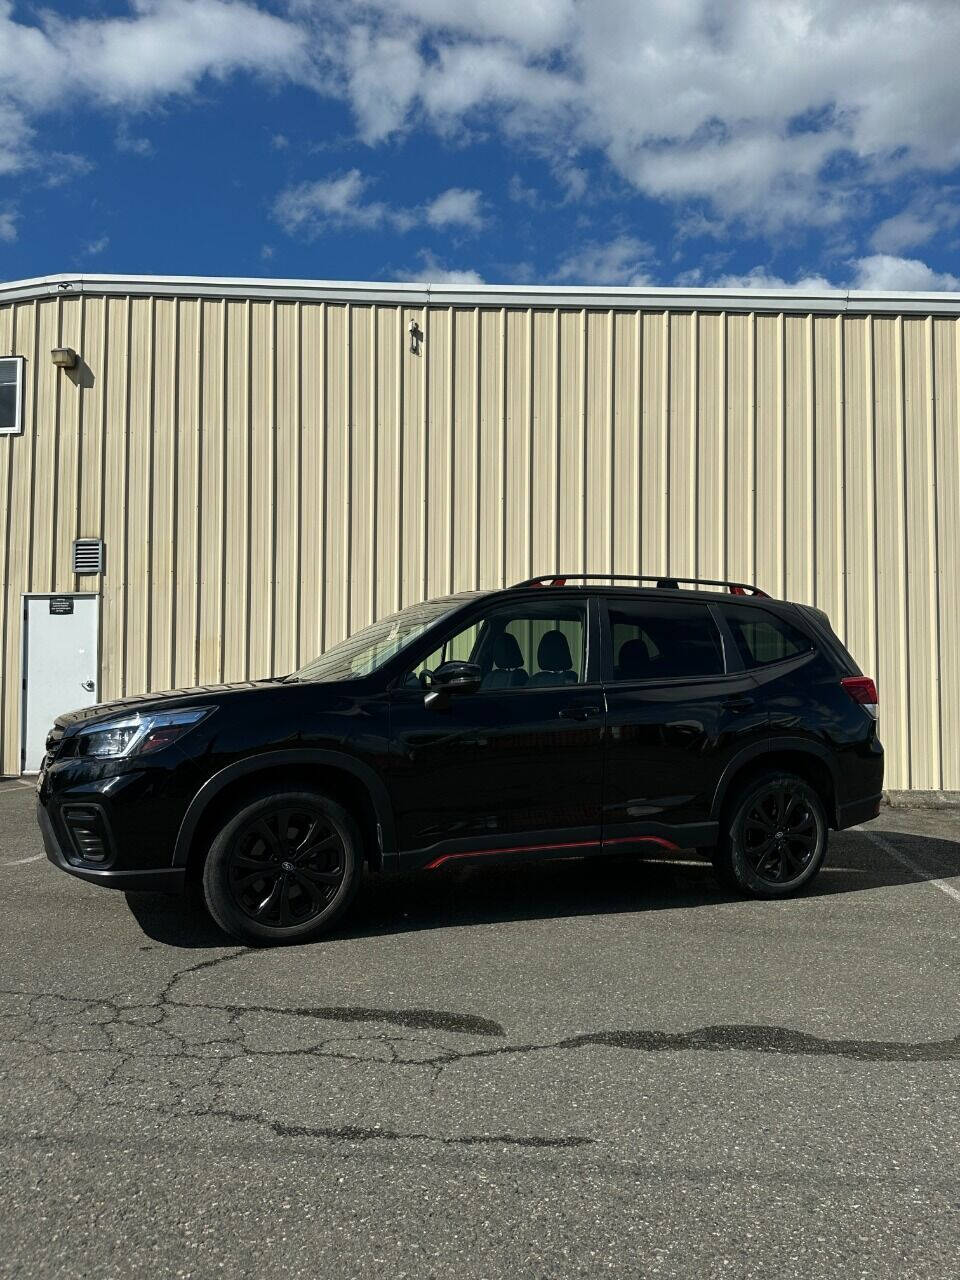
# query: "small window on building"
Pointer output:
{"type": "Point", "coordinates": [762, 637]}
{"type": "Point", "coordinates": [11, 395]}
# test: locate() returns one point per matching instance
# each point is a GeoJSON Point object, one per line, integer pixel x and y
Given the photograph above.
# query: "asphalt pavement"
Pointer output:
{"type": "Point", "coordinates": [563, 1069]}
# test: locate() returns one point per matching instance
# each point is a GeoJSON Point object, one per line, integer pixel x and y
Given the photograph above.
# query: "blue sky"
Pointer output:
{"type": "Point", "coordinates": [690, 142]}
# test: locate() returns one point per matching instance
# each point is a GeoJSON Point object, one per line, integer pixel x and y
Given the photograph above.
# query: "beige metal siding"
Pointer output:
{"type": "Point", "coordinates": [269, 475]}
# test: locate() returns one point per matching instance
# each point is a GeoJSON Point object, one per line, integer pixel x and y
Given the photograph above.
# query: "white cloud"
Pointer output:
{"type": "Point", "coordinates": [8, 226]}
{"type": "Point", "coordinates": [16, 136]}
{"type": "Point", "coordinates": [341, 202]}
{"type": "Point", "coordinates": [330, 202]}
{"type": "Point", "coordinates": [930, 211]}
{"type": "Point", "coordinates": [163, 47]}
{"type": "Point", "coordinates": [157, 49]}
{"type": "Point", "coordinates": [908, 275]}
{"type": "Point", "coordinates": [431, 270]}
{"type": "Point", "coordinates": [760, 278]}
{"type": "Point", "coordinates": [61, 167]}
{"type": "Point", "coordinates": [775, 111]}
{"type": "Point", "coordinates": [456, 208]}
{"type": "Point", "coordinates": [878, 271]}
{"type": "Point", "coordinates": [903, 231]}
{"type": "Point", "coordinates": [95, 247]}
{"type": "Point", "coordinates": [623, 260]}
{"type": "Point", "coordinates": [383, 73]}
{"type": "Point", "coordinates": [520, 193]}
{"type": "Point", "coordinates": [132, 144]}
{"type": "Point", "coordinates": [536, 25]}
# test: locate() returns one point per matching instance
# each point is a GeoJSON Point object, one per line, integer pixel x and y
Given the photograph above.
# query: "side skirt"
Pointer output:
{"type": "Point", "coordinates": [569, 845]}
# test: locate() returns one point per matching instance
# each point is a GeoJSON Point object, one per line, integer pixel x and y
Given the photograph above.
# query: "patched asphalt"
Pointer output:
{"type": "Point", "coordinates": [569, 1068]}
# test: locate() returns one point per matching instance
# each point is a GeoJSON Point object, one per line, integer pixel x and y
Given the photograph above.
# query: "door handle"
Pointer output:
{"type": "Point", "coordinates": [738, 705]}
{"type": "Point", "coordinates": [579, 713]}
{"type": "Point", "coordinates": [88, 685]}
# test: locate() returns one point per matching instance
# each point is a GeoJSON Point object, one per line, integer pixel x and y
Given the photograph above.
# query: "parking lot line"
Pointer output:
{"type": "Point", "coordinates": [19, 862]}
{"type": "Point", "coordinates": [905, 860]}
{"type": "Point", "coordinates": [15, 785]}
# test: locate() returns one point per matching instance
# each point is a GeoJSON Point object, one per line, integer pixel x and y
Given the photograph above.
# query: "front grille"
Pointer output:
{"type": "Point", "coordinates": [87, 826]}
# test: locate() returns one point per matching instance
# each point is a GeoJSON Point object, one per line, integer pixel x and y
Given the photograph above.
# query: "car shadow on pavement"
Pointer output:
{"type": "Point", "coordinates": [474, 893]}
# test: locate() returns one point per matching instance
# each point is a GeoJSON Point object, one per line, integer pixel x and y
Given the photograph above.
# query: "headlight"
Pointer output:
{"type": "Point", "coordinates": [137, 735]}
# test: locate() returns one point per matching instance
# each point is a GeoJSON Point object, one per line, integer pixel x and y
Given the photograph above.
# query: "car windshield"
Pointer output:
{"type": "Point", "coordinates": [366, 651]}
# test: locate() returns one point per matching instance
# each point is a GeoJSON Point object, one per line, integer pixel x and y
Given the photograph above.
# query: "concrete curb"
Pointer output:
{"type": "Point", "coordinates": [922, 799]}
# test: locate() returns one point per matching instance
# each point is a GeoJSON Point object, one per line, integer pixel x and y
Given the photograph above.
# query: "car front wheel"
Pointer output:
{"type": "Point", "coordinates": [775, 839]}
{"type": "Point", "coordinates": [283, 869]}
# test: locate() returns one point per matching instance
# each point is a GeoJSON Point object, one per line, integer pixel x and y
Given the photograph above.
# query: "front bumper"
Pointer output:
{"type": "Point", "coordinates": [163, 879]}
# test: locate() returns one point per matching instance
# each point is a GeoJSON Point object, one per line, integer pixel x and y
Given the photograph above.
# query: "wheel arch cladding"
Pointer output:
{"type": "Point", "coordinates": [803, 760]}
{"type": "Point", "coordinates": [345, 780]}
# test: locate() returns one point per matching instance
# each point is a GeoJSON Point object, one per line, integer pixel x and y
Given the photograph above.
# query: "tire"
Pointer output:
{"type": "Point", "coordinates": [283, 869]}
{"type": "Point", "coordinates": [775, 837]}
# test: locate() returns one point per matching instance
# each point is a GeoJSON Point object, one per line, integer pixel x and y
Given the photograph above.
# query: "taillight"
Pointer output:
{"type": "Point", "coordinates": [863, 690]}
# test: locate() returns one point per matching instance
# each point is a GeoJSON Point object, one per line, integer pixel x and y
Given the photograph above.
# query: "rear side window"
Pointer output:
{"type": "Point", "coordinates": [654, 640]}
{"type": "Point", "coordinates": [762, 637]}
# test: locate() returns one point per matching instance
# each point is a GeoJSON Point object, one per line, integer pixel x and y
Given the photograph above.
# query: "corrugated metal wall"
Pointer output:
{"type": "Point", "coordinates": [268, 476]}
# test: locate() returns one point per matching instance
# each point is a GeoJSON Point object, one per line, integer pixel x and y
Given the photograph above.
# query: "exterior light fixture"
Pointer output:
{"type": "Point", "coordinates": [64, 357]}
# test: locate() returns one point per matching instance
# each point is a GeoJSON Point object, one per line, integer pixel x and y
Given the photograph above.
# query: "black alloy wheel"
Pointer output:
{"type": "Point", "coordinates": [779, 832]}
{"type": "Point", "coordinates": [776, 839]}
{"type": "Point", "coordinates": [286, 866]}
{"type": "Point", "coordinates": [283, 869]}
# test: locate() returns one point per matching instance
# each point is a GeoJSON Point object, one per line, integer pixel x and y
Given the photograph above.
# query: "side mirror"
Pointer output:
{"type": "Point", "coordinates": [453, 677]}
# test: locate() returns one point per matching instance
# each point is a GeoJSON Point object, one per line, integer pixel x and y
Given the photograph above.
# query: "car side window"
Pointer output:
{"type": "Point", "coordinates": [662, 640]}
{"type": "Point", "coordinates": [524, 646]}
{"type": "Point", "coordinates": [762, 637]}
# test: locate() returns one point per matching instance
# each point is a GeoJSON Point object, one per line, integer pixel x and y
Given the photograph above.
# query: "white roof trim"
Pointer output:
{"type": "Point", "coordinates": [486, 295]}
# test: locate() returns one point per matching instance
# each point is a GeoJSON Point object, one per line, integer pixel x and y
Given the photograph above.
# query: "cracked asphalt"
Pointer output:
{"type": "Point", "coordinates": [571, 1068]}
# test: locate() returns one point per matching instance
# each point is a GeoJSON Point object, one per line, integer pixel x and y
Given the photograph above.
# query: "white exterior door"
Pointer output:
{"type": "Point", "coordinates": [59, 665]}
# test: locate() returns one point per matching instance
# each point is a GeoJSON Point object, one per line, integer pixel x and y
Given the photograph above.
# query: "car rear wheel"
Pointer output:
{"type": "Point", "coordinates": [775, 839]}
{"type": "Point", "coordinates": [283, 869]}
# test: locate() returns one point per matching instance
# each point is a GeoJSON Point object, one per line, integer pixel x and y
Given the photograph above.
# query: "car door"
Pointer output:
{"type": "Point", "coordinates": [514, 767]}
{"type": "Point", "coordinates": [679, 707]}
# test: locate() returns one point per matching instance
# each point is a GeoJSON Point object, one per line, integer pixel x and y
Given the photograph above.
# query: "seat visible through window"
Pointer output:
{"type": "Point", "coordinates": [508, 670]}
{"type": "Point", "coordinates": [633, 661]}
{"type": "Point", "coordinates": [554, 661]}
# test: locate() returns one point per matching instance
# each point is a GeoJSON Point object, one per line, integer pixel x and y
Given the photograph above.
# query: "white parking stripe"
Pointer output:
{"type": "Point", "coordinates": [16, 785]}
{"type": "Point", "coordinates": [19, 862]}
{"type": "Point", "coordinates": [905, 860]}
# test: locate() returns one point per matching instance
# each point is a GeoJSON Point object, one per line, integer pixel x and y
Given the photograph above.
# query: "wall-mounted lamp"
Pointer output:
{"type": "Point", "coordinates": [416, 337]}
{"type": "Point", "coordinates": [64, 357]}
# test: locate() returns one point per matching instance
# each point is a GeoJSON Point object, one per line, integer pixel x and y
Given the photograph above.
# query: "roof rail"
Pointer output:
{"type": "Point", "coordinates": [664, 582]}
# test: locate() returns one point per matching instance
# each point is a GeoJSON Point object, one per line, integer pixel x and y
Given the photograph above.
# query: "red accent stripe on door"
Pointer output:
{"type": "Point", "coordinates": [665, 844]}
{"type": "Point", "coordinates": [539, 848]}
{"type": "Point", "coordinates": [517, 848]}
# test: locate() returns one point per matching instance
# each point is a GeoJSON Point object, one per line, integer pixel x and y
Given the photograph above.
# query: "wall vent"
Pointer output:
{"type": "Point", "coordinates": [88, 555]}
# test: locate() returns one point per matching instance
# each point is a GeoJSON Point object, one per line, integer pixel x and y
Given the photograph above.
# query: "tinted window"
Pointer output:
{"type": "Point", "coordinates": [762, 637]}
{"type": "Point", "coordinates": [655, 640]}
{"type": "Point", "coordinates": [529, 646]}
{"type": "Point", "coordinates": [367, 650]}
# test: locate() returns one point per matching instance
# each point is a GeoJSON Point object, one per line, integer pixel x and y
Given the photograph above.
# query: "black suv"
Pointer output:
{"type": "Point", "coordinates": [566, 716]}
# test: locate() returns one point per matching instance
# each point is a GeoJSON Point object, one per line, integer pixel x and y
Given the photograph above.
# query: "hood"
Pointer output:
{"type": "Point", "coordinates": [199, 696]}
